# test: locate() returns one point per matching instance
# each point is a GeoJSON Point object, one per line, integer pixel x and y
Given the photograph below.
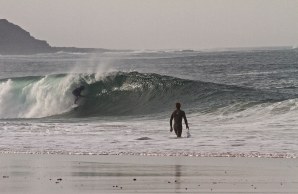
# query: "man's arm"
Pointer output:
{"type": "Point", "coordinates": [171, 123]}
{"type": "Point", "coordinates": [185, 120]}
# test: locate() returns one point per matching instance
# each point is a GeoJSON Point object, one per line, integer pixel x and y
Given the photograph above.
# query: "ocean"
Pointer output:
{"type": "Point", "coordinates": [239, 103]}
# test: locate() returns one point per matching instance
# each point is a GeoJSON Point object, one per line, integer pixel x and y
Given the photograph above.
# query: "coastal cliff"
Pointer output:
{"type": "Point", "coordinates": [16, 41]}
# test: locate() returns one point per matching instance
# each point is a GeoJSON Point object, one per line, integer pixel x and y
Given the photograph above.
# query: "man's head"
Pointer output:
{"type": "Point", "coordinates": [178, 105]}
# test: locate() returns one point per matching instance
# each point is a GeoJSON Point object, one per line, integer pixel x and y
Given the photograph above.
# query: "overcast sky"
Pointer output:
{"type": "Point", "coordinates": [157, 24]}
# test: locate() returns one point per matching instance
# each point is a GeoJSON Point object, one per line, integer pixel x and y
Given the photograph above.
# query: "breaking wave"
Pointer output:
{"type": "Point", "coordinates": [121, 94]}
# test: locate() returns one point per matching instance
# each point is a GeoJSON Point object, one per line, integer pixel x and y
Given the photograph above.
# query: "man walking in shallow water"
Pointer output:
{"type": "Point", "coordinates": [177, 115]}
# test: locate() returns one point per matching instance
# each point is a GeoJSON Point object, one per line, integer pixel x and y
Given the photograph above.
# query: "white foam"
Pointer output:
{"type": "Point", "coordinates": [34, 99]}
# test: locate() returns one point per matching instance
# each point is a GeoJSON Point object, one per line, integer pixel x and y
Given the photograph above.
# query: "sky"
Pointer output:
{"type": "Point", "coordinates": [157, 24]}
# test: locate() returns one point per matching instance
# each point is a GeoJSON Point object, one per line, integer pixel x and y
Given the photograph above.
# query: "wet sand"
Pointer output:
{"type": "Point", "coordinates": [25, 173]}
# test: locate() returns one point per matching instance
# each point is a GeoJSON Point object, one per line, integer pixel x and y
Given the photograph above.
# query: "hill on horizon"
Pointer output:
{"type": "Point", "coordinates": [14, 40]}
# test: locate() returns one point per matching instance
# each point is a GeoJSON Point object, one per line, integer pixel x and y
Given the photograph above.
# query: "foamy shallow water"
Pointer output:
{"type": "Point", "coordinates": [210, 136]}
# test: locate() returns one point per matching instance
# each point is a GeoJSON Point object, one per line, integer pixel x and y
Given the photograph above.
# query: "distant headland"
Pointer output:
{"type": "Point", "coordinates": [16, 41]}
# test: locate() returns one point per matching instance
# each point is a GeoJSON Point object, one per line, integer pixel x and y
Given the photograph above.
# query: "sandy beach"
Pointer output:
{"type": "Point", "coordinates": [27, 173]}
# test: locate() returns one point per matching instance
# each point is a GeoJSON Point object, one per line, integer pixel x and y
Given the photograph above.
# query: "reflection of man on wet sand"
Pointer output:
{"type": "Point", "coordinates": [177, 115]}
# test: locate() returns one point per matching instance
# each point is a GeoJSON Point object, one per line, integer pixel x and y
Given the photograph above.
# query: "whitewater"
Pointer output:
{"type": "Point", "coordinates": [238, 103]}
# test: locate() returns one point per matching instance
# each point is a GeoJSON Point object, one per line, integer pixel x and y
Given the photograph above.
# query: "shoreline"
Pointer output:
{"type": "Point", "coordinates": [48, 173]}
{"type": "Point", "coordinates": [159, 154]}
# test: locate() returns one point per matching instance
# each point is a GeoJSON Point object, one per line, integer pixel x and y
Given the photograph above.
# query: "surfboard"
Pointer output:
{"type": "Point", "coordinates": [188, 134]}
{"type": "Point", "coordinates": [75, 106]}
